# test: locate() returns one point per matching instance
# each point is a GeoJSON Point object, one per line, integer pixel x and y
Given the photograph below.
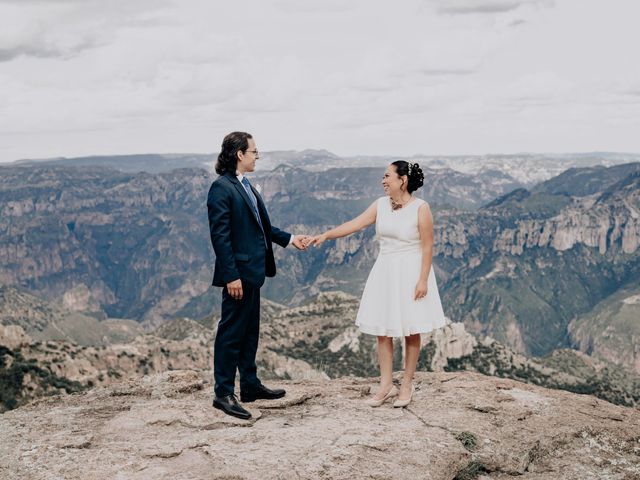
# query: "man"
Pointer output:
{"type": "Point", "coordinates": [242, 237]}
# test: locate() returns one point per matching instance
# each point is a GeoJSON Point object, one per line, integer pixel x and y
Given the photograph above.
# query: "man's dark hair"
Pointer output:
{"type": "Point", "coordinates": [228, 158]}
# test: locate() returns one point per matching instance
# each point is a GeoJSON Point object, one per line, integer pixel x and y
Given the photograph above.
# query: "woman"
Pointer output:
{"type": "Point", "coordinates": [400, 298]}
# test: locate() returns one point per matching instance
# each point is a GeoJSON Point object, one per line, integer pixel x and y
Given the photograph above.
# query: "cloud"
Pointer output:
{"type": "Point", "coordinates": [462, 7]}
{"type": "Point", "coordinates": [366, 76]}
{"type": "Point", "coordinates": [65, 28]}
{"type": "Point", "coordinates": [326, 6]}
{"type": "Point", "coordinates": [40, 2]}
{"type": "Point", "coordinates": [41, 48]}
{"type": "Point", "coordinates": [447, 71]}
{"type": "Point", "coordinates": [38, 31]}
{"type": "Point", "coordinates": [539, 89]}
{"type": "Point", "coordinates": [620, 98]}
{"type": "Point", "coordinates": [624, 90]}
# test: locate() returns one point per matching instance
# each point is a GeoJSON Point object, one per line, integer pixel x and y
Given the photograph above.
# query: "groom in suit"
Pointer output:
{"type": "Point", "coordinates": [242, 237]}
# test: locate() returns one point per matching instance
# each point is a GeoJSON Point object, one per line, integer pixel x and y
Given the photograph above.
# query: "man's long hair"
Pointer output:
{"type": "Point", "coordinates": [228, 158]}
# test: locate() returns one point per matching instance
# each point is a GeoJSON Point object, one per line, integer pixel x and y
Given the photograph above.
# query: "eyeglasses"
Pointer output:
{"type": "Point", "coordinates": [255, 152]}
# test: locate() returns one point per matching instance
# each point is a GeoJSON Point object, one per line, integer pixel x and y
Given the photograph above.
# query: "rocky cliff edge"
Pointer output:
{"type": "Point", "coordinates": [460, 425]}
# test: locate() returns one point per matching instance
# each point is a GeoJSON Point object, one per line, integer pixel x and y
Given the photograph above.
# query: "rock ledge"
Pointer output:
{"type": "Point", "coordinates": [460, 425]}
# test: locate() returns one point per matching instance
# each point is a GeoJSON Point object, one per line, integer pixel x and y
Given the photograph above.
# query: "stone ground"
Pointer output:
{"type": "Point", "coordinates": [459, 425]}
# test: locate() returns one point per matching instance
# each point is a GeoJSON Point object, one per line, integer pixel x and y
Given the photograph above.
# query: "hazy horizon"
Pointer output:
{"type": "Point", "coordinates": [381, 155]}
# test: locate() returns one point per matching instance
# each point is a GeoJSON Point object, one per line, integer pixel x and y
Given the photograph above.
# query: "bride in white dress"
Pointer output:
{"type": "Point", "coordinates": [400, 298]}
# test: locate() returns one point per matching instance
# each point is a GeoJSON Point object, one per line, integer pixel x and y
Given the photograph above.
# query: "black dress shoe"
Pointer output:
{"type": "Point", "coordinates": [230, 406]}
{"type": "Point", "coordinates": [261, 392]}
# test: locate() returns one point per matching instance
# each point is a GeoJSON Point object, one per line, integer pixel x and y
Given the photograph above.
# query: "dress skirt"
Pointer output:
{"type": "Point", "coordinates": [388, 307]}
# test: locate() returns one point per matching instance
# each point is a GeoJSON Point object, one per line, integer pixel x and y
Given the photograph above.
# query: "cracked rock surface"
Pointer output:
{"type": "Point", "coordinates": [459, 424]}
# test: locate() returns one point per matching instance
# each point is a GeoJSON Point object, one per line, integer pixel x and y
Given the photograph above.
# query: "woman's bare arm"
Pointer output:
{"type": "Point", "coordinates": [366, 218]}
{"type": "Point", "coordinates": [425, 228]}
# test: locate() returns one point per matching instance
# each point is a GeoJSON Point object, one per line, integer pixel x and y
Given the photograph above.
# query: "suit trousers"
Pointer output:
{"type": "Point", "coordinates": [236, 342]}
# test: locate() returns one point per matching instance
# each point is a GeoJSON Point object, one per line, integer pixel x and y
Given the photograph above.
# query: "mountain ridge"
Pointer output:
{"type": "Point", "coordinates": [526, 168]}
{"type": "Point", "coordinates": [519, 270]}
{"type": "Point", "coordinates": [314, 341]}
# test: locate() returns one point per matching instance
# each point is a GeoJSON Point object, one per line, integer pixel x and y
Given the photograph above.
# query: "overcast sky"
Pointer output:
{"type": "Point", "coordinates": [89, 77]}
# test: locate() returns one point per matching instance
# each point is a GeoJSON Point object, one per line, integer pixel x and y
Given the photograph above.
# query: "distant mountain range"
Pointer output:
{"type": "Point", "coordinates": [522, 268]}
{"type": "Point", "coordinates": [540, 268]}
{"type": "Point", "coordinates": [150, 162]}
{"type": "Point", "coordinates": [527, 168]}
{"type": "Point", "coordinates": [139, 243]}
{"type": "Point", "coordinates": [537, 261]}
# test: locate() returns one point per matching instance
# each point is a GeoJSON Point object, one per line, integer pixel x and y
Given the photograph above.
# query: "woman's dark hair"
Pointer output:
{"type": "Point", "coordinates": [413, 173]}
{"type": "Point", "coordinates": [228, 158]}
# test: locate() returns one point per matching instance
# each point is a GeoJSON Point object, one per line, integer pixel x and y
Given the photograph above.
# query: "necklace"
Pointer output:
{"type": "Point", "coordinates": [397, 205]}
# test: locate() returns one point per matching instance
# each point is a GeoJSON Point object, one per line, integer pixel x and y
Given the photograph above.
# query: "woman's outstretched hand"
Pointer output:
{"type": "Point", "coordinates": [317, 240]}
{"type": "Point", "coordinates": [421, 290]}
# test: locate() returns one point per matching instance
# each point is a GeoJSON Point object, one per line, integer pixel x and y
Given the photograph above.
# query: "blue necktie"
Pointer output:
{"type": "Point", "coordinates": [254, 202]}
{"type": "Point", "coordinates": [252, 197]}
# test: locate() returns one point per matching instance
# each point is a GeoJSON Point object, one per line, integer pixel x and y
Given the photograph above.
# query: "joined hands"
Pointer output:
{"type": "Point", "coordinates": [302, 242]}
{"type": "Point", "coordinates": [317, 240]}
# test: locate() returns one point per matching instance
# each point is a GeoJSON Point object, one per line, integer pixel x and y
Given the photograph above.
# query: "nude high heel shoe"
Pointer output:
{"type": "Point", "coordinates": [374, 402]}
{"type": "Point", "coordinates": [403, 403]}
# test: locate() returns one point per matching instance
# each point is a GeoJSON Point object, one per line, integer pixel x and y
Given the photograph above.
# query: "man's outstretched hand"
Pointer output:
{"type": "Point", "coordinates": [301, 241]}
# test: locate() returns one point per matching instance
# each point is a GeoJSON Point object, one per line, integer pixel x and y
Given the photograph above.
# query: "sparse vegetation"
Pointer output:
{"type": "Point", "coordinates": [470, 471]}
{"type": "Point", "coordinates": [344, 362]}
{"type": "Point", "coordinates": [14, 367]}
{"type": "Point", "coordinates": [468, 440]}
{"type": "Point", "coordinates": [426, 357]}
{"type": "Point", "coordinates": [612, 385]}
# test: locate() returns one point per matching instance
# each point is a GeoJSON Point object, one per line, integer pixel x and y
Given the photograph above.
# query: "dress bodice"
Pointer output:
{"type": "Point", "coordinates": [397, 230]}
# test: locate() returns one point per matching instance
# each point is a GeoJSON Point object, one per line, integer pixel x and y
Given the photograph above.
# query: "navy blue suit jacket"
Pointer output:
{"type": "Point", "coordinates": [236, 236]}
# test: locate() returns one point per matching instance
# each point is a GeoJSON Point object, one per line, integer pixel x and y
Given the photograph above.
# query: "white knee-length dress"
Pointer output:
{"type": "Point", "coordinates": [387, 307]}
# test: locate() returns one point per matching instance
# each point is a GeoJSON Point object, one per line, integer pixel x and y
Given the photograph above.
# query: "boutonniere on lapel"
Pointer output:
{"type": "Point", "coordinates": [258, 188]}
